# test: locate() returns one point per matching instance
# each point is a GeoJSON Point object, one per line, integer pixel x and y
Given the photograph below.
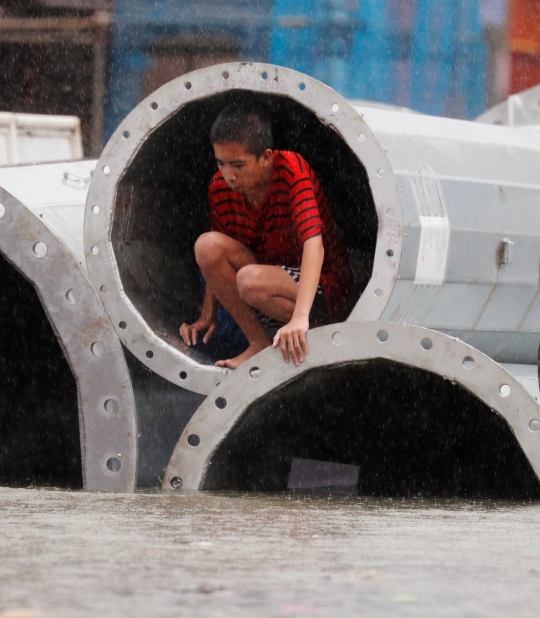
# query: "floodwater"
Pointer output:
{"type": "Point", "coordinates": [66, 554]}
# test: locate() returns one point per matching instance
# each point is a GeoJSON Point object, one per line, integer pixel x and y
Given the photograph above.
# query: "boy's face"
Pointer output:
{"type": "Point", "coordinates": [242, 171]}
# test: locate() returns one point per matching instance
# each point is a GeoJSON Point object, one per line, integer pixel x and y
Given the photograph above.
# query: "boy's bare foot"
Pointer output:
{"type": "Point", "coordinates": [233, 363]}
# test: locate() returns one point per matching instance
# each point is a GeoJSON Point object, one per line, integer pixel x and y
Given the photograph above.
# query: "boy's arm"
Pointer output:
{"type": "Point", "coordinates": [292, 337]}
{"type": "Point", "coordinates": [207, 321]}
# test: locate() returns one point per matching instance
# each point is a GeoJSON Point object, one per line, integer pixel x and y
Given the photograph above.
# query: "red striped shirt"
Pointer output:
{"type": "Point", "coordinates": [294, 209]}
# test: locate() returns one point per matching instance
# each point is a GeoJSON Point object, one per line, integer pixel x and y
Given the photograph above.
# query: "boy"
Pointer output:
{"type": "Point", "coordinates": [274, 248]}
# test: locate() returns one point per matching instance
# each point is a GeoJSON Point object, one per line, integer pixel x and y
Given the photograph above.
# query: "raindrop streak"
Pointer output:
{"type": "Point", "coordinates": [2, 210]}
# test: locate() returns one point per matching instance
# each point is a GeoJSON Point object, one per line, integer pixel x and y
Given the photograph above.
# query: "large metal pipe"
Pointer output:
{"type": "Point", "coordinates": [519, 110]}
{"type": "Point", "coordinates": [56, 194]}
{"type": "Point", "coordinates": [416, 411]}
{"type": "Point", "coordinates": [38, 388]}
{"type": "Point", "coordinates": [440, 216]}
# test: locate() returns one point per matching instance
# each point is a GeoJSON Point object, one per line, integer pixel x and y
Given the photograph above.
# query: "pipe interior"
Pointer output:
{"type": "Point", "coordinates": [163, 411]}
{"type": "Point", "coordinates": [411, 433]}
{"type": "Point", "coordinates": [39, 418]}
{"type": "Point", "coordinates": [161, 209]}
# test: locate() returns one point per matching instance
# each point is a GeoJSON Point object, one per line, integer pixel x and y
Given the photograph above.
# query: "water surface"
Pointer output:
{"type": "Point", "coordinates": [77, 554]}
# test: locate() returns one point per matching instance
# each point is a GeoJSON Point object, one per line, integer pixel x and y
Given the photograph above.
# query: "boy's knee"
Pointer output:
{"type": "Point", "coordinates": [207, 248]}
{"type": "Point", "coordinates": [248, 280]}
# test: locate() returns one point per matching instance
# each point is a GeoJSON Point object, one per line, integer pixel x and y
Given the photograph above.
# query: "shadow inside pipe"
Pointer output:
{"type": "Point", "coordinates": [161, 209]}
{"type": "Point", "coordinates": [39, 418]}
{"type": "Point", "coordinates": [409, 431]}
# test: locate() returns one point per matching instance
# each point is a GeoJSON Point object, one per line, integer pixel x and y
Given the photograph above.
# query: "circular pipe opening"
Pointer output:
{"type": "Point", "coordinates": [432, 439]}
{"type": "Point", "coordinates": [161, 210]}
{"type": "Point", "coordinates": [39, 415]}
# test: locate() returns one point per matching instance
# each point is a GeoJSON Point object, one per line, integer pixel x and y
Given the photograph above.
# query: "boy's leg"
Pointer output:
{"type": "Point", "coordinates": [220, 258]}
{"type": "Point", "coordinates": [270, 289]}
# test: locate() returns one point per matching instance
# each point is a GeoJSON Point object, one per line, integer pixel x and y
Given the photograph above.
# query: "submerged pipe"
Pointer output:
{"type": "Point", "coordinates": [38, 388]}
{"type": "Point", "coordinates": [439, 216]}
{"type": "Point", "coordinates": [413, 410]}
{"type": "Point", "coordinates": [56, 194]}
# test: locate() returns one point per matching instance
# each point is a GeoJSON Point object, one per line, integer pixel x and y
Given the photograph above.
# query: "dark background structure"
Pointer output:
{"type": "Point", "coordinates": [97, 59]}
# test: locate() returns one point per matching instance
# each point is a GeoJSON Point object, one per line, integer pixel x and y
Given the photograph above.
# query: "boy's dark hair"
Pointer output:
{"type": "Point", "coordinates": [243, 125]}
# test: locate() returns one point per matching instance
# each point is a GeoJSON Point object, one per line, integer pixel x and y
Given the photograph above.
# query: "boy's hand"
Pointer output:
{"type": "Point", "coordinates": [291, 338]}
{"type": "Point", "coordinates": [188, 332]}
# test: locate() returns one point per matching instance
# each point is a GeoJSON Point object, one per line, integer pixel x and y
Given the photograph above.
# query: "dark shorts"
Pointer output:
{"type": "Point", "coordinates": [316, 315]}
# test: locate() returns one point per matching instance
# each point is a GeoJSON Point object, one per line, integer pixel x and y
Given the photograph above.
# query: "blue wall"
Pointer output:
{"type": "Point", "coordinates": [426, 54]}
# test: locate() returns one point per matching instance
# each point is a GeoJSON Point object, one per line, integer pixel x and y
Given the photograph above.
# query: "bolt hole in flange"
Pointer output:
{"type": "Point", "coordinates": [534, 426]}
{"type": "Point", "coordinates": [73, 296]}
{"type": "Point", "coordinates": [182, 375]}
{"type": "Point", "coordinates": [383, 336]}
{"type": "Point", "coordinates": [111, 406]}
{"type": "Point", "coordinates": [40, 249]}
{"type": "Point", "coordinates": [194, 440]}
{"type": "Point", "coordinates": [176, 482]}
{"type": "Point", "coordinates": [255, 373]}
{"type": "Point", "coordinates": [95, 209]}
{"type": "Point", "coordinates": [149, 354]}
{"type": "Point", "coordinates": [98, 349]}
{"type": "Point", "coordinates": [426, 344]}
{"type": "Point", "coordinates": [468, 362]}
{"type": "Point", "coordinates": [504, 390]}
{"type": "Point", "coordinates": [337, 339]}
{"type": "Point", "coordinates": [122, 325]}
{"type": "Point", "coordinates": [114, 464]}
{"type": "Point", "coordinates": [221, 403]}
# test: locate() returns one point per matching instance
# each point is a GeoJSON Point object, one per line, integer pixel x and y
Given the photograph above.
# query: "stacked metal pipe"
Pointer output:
{"type": "Point", "coordinates": [440, 221]}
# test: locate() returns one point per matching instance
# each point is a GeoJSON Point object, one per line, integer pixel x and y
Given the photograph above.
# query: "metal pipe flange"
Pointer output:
{"type": "Point", "coordinates": [107, 416]}
{"type": "Point", "coordinates": [226, 411]}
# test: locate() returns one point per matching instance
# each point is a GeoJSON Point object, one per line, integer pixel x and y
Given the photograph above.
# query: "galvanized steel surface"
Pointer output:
{"type": "Point", "coordinates": [469, 196]}
{"type": "Point", "coordinates": [107, 417]}
{"type": "Point", "coordinates": [344, 343]}
{"type": "Point", "coordinates": [56, 193]}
